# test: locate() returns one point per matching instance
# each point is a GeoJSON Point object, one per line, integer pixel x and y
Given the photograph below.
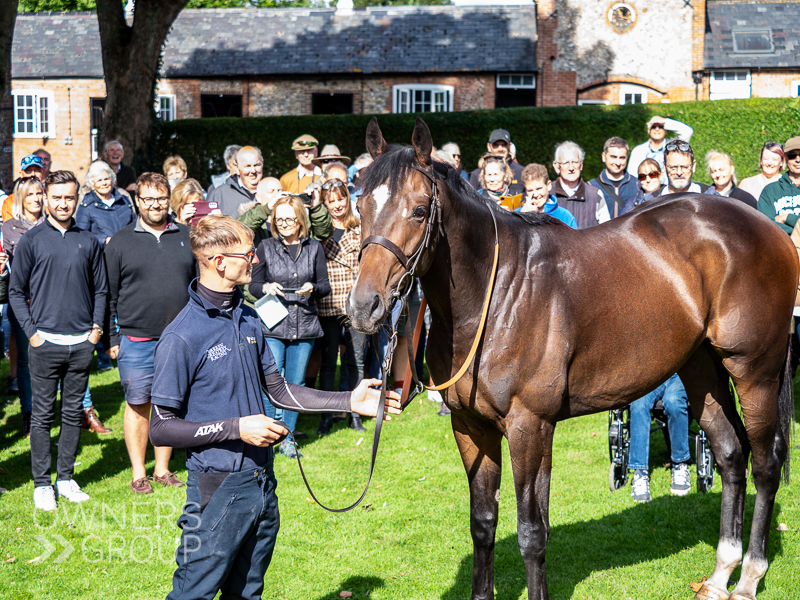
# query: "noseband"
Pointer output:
{"type": "Point", "coordinates": [434, 218]}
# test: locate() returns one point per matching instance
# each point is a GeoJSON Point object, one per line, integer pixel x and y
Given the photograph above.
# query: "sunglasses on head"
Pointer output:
{"type": "Point", "coordinates": [678, 146]}
{"type": "Point", "coordinates": [306, 143]}
{"type": "Point", "coordinates": [650, 175]}
{"type": "Point", "coordinates": [770, 145]}
{"type": "Point", "coordinates": [333, 183]}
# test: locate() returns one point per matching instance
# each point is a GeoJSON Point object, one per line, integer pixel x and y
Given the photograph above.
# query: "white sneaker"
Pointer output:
{"type": "Point", "coordinates": [71, 491]}
{"type": "Point", "coordinates": [44, 498]}
{"type": "Point", "coordinates": [681, 480]}
{"type": "Point", "coordinates": [435, 396]}
{"type": "Point", "coordinates": [640, 486]}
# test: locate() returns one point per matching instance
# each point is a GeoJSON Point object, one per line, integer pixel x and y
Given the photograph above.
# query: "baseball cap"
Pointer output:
{"type": "Point", "coordinates": [500, 135]}
{"type": "Point", "coordinates": [305, 142]}
{"type": "Point", "coordinates": [792, 144]}
{"type": "Point", "coordinates": [32, 161]}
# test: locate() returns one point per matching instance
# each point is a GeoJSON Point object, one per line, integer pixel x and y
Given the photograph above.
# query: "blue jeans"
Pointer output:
{"type": "Point", "coordinates": [292, 360]}
{"type": "Point", "coordinates": [676, 408]}
{"type": "Point", "coordinates": [23, 368]}
{"type": "Point", "coordinates": [228, 546]}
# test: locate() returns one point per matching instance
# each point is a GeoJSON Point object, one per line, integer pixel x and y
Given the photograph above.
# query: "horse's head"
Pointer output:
{"type": "Point", "coordinates": [398, 223]}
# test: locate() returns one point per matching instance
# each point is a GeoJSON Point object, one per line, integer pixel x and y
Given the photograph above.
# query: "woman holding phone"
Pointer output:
{"type": "Point", "coordinates": [291, 266]}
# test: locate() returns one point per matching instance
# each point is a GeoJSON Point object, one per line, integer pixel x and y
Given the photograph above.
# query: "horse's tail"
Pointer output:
{"type": "Point", "coordinates": [786, 409]}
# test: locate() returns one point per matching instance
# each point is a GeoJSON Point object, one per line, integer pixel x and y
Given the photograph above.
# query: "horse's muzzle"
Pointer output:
{"type": "Point", "coordinates": [366, 309]}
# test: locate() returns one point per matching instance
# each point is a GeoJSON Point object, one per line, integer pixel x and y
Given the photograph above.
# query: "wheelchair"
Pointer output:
{"type": "Point", "coordinates": [619, 446]}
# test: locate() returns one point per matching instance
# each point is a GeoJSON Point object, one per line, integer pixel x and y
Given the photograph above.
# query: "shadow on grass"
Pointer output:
{"type": "Point", "coordinates": [108, 400]}
{"type": "Point", "coordinates": [639, 534]}
{"type": "Point", "coordinates": [361, 587]}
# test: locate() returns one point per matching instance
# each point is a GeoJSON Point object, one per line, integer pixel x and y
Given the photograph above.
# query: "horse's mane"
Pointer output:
{"type": "Point", "coordinates": [393, 164]}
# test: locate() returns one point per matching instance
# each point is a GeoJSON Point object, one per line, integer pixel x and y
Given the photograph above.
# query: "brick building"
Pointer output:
{"type": "Point", "coordinates": [261, 62]}
{"type": "Point", "coordinates": [752, 49]}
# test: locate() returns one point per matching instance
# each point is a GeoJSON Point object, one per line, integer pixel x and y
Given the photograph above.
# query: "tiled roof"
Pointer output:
{"type": "Point", "coordinates": [782, 18]}
{"type": "Point", "coordinates": [228, 42]}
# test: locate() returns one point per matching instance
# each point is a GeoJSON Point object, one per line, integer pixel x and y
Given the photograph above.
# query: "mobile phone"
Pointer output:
{"type": "Point", "coordinates": [202, 208]}
{"type": "Point", "coordinates": [290, 290]}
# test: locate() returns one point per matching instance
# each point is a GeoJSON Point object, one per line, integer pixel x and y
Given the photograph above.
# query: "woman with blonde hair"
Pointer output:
{"type": "Point", "coordinates": [771, 161]}
{"type": "Point", "coordinates": [495, 178]}
{"type": "Point", "coordinates": [723, 173]}
{"type": "Point", "coordinates": [291, 266]}
{"type": "Point", "coordinates": [341, 255]}
{"type": "Point", "coordinates": [28, 211]}
{"type": "Point", "coordinates": [182, 199]}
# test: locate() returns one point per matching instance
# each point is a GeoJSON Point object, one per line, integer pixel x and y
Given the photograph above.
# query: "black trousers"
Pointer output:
{"type": "Point", "coordinates": [356, 344]}
{"type": "Point", "coordinates": [51, 364]}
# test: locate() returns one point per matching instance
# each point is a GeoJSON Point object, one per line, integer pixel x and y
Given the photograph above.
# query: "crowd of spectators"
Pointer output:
{"type": "Point", "coordinates": [113, 253]}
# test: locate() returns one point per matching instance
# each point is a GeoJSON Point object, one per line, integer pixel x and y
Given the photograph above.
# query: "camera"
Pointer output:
{"type": "Point", "coordinates": [304, 198]}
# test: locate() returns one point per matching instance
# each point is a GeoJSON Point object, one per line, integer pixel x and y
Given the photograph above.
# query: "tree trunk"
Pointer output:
{"type": "Point", "coordinates": [8, 17]}
{"type": "Point", "coordinates": [131, 59]}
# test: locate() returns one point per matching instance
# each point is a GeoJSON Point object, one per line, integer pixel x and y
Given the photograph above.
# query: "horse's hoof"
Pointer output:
{"type": "Point", "coordinates": [707, 592]}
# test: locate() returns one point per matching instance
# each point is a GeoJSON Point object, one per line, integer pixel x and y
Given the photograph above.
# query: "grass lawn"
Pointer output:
{"type": "Point", "coordinates": [410, 540]}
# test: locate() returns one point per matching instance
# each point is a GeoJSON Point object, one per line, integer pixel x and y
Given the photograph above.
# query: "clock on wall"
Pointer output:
{"type": "Point", "coordinates": [621, 16]}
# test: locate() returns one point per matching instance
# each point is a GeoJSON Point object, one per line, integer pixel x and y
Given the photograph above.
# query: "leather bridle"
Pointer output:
{"type": "Point", "coordinates": [410, 264]}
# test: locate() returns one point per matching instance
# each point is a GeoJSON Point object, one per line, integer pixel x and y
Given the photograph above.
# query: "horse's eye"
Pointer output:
{"type": "Point", "coordinates": [419, 212]}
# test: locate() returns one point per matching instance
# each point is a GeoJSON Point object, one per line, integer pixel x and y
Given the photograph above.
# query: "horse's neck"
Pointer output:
{"type": "Point", "coordinates": [456, 282]}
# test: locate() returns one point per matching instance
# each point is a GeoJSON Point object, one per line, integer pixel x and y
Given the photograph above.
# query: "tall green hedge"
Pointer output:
{"type": "Point", "coordinates": [739, 127]}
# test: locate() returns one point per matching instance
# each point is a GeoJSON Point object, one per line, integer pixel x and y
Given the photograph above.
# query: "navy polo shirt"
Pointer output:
{"type": "Point", "coordinates": [208, 366]}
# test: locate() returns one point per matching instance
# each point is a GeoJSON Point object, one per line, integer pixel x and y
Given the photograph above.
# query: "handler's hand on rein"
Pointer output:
{"type": "Point", "coordinates": [260, 430]}
{"type": "Point", "coordinates": [365, 398]}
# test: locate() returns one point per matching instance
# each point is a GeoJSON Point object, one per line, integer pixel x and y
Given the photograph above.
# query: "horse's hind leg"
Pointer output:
{"type": "Point", "coordinates": [530, 442]}
{"type": "Point", "coordinates": [479, 445]}
{"type": "Point", "coordinates": [706, 383]}
{"type": "Point", "coordinates": [758, 395]}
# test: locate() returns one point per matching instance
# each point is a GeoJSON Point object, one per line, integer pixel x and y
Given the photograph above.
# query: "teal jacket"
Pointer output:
{"type": "Point", "coordinates": [781, 197]}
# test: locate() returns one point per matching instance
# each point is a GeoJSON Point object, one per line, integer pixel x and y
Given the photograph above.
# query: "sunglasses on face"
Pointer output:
{"type": "Point", "coordinates": [248, 256]}
{"type": "Point", "coordinates": [656, 126]}
{"type": "Point", "coordinates": [650, 175]}
{"type": "Point", "coordinates": [792, 155]}
{"type": "Point", "coordinates": [327, 161]}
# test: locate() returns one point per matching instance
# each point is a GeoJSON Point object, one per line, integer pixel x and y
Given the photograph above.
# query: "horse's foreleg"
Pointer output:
{"type": "Point", "coordinates": [760, 408]}
{"type": "Point", "coordinates": [479, 445]}
{"type": "Point", "coordinates": [530, 442]}
{"type": "Point", "coordinates": [706, 383]}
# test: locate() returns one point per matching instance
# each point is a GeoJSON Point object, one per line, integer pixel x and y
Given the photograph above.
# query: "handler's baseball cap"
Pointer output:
{"type": "Point", "coordinates": [32, 161]}
{"type": "Point", "coordinates": [792, 144]}
{"type": "Point", "coordinates": [305, 142]}
{"type": "Point", "coordinates": [500, 135]}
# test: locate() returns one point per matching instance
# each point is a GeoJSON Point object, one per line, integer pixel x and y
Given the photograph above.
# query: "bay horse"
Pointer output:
{"type": "Point", "coordinates": [586, 321]}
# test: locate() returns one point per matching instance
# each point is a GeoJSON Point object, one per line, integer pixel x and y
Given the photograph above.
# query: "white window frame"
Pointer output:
{"type": "Point", "coordinates": [403, 97]}
{"type": "Point", "coordinates": [768, 31]}
{"type": "Point", "coordinates": [795, 89]}
{"type": "Point", "coordinates": [170, 111]}
{"type": "Point", "coordinates": [593, 102]}
{"type": "Point", "coordinates": [518, 86]}
{"type": "Point", "coordinates": [730, 88]}
{"type": "Point", "coordinates": [42, 128]}
{"type": "Point", "coordinates": [633, 90]}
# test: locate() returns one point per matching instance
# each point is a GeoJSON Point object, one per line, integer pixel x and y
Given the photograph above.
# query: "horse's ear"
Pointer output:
{"type": "Point", "coordinates": [375, 143]}
{"type": "Point", "coordinates": [422, 142]}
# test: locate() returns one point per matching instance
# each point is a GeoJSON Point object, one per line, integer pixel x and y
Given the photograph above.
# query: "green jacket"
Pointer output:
{"type": "Point", "coordinates": [319, 222]}
{"type": "Point", "coordinates": [781, 197]}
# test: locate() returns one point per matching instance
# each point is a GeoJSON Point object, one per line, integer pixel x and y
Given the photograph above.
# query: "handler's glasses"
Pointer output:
{"type": "Point", "coordinates": [248, 256]}
{"type": "Point", "coordinates": [650, 175]}
{"type": "Point", "coordinates": [162, 200]}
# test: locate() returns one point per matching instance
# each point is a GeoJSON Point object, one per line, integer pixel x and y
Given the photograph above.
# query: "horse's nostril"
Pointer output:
{"type": "Point", "coordinates": [375, 304]}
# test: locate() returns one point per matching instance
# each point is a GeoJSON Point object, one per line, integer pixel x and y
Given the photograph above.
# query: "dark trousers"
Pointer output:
{"type": "Point", "coordinates": [356, 344]}
{"type": "Point", "coordinates": [228, 545]}
{"type": "Point", "coordinates": [49, 365]}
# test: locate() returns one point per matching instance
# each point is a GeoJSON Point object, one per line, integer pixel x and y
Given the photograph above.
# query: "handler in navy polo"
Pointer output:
{"type": "Point", "coordinates": [210, 366]}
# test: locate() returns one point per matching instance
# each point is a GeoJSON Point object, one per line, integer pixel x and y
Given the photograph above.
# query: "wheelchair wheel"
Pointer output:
{"type": "Point", "coordinates": [705, 463]}
{"type": "Point", "coordinates": [619, 442]}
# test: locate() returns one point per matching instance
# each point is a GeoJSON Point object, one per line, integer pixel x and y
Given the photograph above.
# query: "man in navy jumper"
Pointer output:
{"type": "Point", "coordinates": [617, 184]}
{"type": "Point", "coordinates": [210, 366]}
{"type": "Point", "coordinates": [150, 266]}
{"type": "Point", "coordinates": [59, 269]}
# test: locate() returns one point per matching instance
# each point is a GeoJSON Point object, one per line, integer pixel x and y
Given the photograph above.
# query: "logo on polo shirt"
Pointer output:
{"type": "Point", "coordinates": [251, 340]}
{"type": "Point", "coordinates": [218, 351]}
{"type": "Point", "coordinates": [207, 429]}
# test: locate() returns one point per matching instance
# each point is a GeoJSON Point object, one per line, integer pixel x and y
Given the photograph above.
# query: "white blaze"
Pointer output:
{"type": "Point", "coordinates": [381, 196]}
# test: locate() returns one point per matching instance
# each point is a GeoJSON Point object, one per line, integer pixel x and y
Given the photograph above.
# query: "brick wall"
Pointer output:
{"type": "Point", "coordinates": [72, 119]}
{"type": "Point", "coordinates": [555, 88]}
{"type": "Point", "coordinates": [6, 140]}
{"type": "Point", "coordinates": [778, 84]}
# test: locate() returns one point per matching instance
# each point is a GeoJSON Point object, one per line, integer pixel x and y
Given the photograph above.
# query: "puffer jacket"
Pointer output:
{"type": "Point", "coordinates": [103, 221]}
{"type": "Point", "coordinates": [276, 265]}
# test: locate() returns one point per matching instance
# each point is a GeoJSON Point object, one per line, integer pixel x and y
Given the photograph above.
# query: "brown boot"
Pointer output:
{"type": "Point", "coordinates": [26, 424]}
{"type": "Point", "coordinates": [91, 422]}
